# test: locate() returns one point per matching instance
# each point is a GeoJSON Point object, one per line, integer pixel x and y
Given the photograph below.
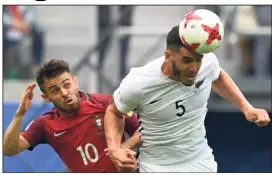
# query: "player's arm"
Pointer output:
{"type": "Point", "coordinates": [126, 98]}
{"type": "Point", "coordinates": [131, 121]}
{"type": "Point", "coordinates": [133, 142]}
{"type": "Point", "coordinates": [132, 128]}
{"type": "Point", "coordinates": [114, 123]}
{"type": "Point", "coordinates": [13, 142]}
{"type": "Point", "coordinates": [226, 87]}
{"type": "Point", "coordinates": [115, 119]}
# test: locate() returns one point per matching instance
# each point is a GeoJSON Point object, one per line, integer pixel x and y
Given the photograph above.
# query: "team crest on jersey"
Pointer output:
{"type": "Point", "coordinates": [98, 122]}
{"type": "Point", "coordinates": [198, 84]}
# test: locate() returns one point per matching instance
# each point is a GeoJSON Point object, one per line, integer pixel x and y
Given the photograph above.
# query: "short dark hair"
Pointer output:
{"type": "Point", "coordinates": [50, 69]}
{"type": "Point", "coordinates": [173, 41]}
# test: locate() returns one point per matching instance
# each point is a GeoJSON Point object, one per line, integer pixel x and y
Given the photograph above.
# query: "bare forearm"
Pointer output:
{"type": "Point", "coordinates": [11, 137]}
{"type": "Point", "coordinates": [134, 141]}
{"type": "Point", "coordinates": [226, 87]}
{"type": "Point", "coordinates": [114, 128]}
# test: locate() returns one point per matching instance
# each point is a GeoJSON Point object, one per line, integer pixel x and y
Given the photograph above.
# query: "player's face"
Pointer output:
{"type": "Point", "coordinates": [186, 65]}
{"type": "Point", "coordinates": [62, 91]}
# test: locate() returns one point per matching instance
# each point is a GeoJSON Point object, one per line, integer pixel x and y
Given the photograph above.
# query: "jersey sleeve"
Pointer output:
{"type": "Point", "coordinates": [35, 132]}
{"type": "Point", "coordinates": [216, 69]}
{"type": "Point", "coordinates": [131, 123]}
{"type": "Point", "coordinates": [129, 95]}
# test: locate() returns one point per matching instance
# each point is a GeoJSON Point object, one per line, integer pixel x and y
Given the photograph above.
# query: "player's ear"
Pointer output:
{"type": "Point", "coordinates": [45, 97]}
{"type": "Point", "coordinates": [168, 54]}
{"type": "Point", "coordinates": [75, 81]}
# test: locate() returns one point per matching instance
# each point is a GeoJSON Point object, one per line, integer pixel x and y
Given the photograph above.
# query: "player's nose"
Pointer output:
{"type": "Point", "coordinates": [194, 68]}
{"type": "Point", "coordinates": [63, 92]}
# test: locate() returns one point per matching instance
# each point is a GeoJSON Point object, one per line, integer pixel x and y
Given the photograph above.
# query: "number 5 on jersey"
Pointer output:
{"type": "Point", "coordinates": [180, 107]}
{"type": "Point", "coordinates": [85, 153]}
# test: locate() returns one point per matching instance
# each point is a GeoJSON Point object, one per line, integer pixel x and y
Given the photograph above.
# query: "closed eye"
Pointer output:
{"type": "Point", "coordinates": [54, 90]}
{"type": "Point", "coordinates": [186, 59]}
{"type": "Point", "coordinates": [67, 85]}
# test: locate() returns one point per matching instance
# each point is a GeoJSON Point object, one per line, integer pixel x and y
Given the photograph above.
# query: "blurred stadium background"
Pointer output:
{"type": "Point", "coordinates": [101, 43]}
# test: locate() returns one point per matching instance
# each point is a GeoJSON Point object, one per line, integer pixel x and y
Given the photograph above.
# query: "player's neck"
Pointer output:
{"type": "Point", "coordinates": [166, 69]}
{"type": "Point", "coordinates": [67, 114]}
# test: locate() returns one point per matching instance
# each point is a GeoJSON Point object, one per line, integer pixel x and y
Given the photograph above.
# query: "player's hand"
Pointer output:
{"type": "Point", "coordinates": [259, 116]}
{"type": "Point", "coordinates": [26, 99]}
{"type": "Point", "coordinates": [123, 159]}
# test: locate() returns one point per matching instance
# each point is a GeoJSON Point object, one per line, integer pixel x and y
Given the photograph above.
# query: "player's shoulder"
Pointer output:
{"type": "Point", "coordinates": [98, 97]}
{"type": "Point", "coordinates": [94, 96]}
{"type": "Point", "coordinates": [42, 119]}
{"type": "Point", "coordinates": [210, 58]}
{"type": "Point", "coordinates": [47, 115]}
{"type": "Point", "coordinates": [210, 66]}
{"type": "Point", "coordinates": [138, 76]}
{"type": "Point", "coordinates": [209, 62]}
{"type": "Point", "coordinates": [151, 68]}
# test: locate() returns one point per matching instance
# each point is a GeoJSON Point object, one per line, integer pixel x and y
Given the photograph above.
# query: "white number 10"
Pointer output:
{"type": "Point", "coordinates": [85, 154]}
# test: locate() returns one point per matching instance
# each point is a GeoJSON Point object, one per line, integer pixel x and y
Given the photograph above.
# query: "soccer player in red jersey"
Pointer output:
{"type": "Point", "coordinates": [74, 128]}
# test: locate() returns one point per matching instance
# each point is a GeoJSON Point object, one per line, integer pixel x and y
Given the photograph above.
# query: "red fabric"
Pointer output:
{"type": "Point", "coordinates": [79, 141]}
{"type": "Point", "coordinates": [131, 122]}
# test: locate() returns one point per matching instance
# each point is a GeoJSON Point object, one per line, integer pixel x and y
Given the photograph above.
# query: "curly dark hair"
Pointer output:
{"type": "Point", "coordinates": [50, 69]}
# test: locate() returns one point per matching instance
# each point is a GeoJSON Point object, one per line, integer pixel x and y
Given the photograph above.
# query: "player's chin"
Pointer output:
{"type": "Point", "coordinates": [188, 81]}
{"type": "Point", "coordinates": [71, 107]}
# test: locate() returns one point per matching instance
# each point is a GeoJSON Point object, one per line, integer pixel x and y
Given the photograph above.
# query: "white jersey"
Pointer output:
{"type": "Point", "coordinates": [171, 114]}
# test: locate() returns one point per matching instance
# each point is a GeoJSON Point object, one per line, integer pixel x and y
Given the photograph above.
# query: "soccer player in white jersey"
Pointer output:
{"type": "Point", "coordinates": [170, 95]}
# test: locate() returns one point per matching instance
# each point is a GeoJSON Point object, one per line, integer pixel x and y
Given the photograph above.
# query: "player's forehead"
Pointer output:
{"type": "Point", "coordinates": [186, 52]}
{"type": "Point", "coordinates": [57, 80]}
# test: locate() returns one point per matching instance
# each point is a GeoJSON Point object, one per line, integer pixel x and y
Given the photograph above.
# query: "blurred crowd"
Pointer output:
{"type": "Point", "coordinates": [256, 51]}
{"type": "Point", "coordinates": [20, 24]}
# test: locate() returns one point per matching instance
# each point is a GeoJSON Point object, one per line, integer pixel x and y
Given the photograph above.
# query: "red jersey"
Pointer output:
{"type": "Point", "coordinates": [79, 141]}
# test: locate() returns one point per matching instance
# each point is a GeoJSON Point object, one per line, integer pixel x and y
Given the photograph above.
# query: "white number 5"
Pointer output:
{"type": "Point", "coordinates": [85, 153]}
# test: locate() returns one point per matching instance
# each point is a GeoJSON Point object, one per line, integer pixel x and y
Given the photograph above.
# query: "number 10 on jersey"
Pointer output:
{"type": "Point", "coordinates": [85, 153]}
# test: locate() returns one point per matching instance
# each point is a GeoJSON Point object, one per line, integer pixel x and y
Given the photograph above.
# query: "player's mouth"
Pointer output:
{"type": "Point", "coordinates": [192, 77]}
{"type": "Point", "coordinates": [69, 101]}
